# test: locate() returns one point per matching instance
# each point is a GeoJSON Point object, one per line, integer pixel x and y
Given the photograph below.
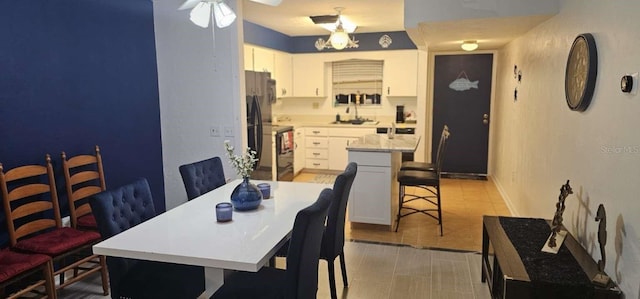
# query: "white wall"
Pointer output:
{"type": "Point", "coordinates": [417, 11]}
{"type": "Point", "coordinates": [199, 81]}
{"type": "Point", "coordinates": [538, 143]}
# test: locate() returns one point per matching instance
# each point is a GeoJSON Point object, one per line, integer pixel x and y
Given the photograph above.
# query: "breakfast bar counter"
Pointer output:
{"type": "Point", "coordinates": [374, 194]}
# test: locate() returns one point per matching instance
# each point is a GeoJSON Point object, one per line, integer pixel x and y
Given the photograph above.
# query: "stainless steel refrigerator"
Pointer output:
{"type": "Point", "coordinates": [261, 95]}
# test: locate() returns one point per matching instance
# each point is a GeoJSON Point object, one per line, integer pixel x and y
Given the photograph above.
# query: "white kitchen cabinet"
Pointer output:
{"type": "Point", "coordinates": [339, 139]}
{"type": "Point", "coordinates": [259, 59]}
{"type": "Point", "coordinates": [298, 150]}
{"type": "Point", "coordinates": [283, 74]}
{"type": "Point", "coordinates": [339, 156]}
{"type": "Point", "coordinates": [316, 148]}
{"type": "Point", "coordinates": [374, 194]}
{"type": "Point", "coordinates": [308, 75]}
{"type": "Point", "coordinates": [248, 57]}
{"type": "Point", "coordinates": [400, 78]}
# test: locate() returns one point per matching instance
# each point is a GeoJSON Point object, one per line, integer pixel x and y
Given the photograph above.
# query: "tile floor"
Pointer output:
{"type": "Point", "coordinates": [377, 271]}
{"type": "Point", "coordinates": [464, 202]}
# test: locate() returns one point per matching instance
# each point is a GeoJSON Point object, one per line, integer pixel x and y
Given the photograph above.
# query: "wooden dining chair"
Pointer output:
{"type": "Point", "coordinates": [17, 271]}
{"type": "Point", "coordinates": [300, 279]}
{"type": "Point", "coordinates": [84, 177]}
{"type": "Point", "coordinates": [202, 176]}
{"type": "Point", "coordinates": [30, 203]}
{"type": "Point", "coordinates": [117, 210]}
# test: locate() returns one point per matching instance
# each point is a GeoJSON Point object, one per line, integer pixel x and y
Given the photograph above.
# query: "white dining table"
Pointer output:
{"type": "Point", "coordinates": [189, 234]}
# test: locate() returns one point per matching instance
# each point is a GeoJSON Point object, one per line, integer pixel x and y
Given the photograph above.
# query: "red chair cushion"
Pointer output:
{"type": "Point", "coordinates": [88, 222]}
{"type": "Point", "coordinates": [57, 241]}
{"type": "Point", "coordinates": [14, 263]}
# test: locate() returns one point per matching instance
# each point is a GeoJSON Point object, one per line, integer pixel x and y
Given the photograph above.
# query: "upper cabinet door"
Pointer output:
{"type": "Point", "coordinates": [248, 57]}
{"type": "Point", "coordinates": [259, 59]}
{"type": "Point", "coordinates": [400, 73]}
{"type": "Point", "coordinates": [282, 74]}
{"type": "Point", "coordinates": [263, 60]}
{"type": "Point", "coordinates": [308, 75]}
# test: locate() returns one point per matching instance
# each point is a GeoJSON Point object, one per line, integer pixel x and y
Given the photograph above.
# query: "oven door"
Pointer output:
{"type": "Point", "coordinates": [284, 156]}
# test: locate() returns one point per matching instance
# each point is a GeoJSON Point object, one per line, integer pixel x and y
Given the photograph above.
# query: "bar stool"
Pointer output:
{"type": "Point", "coordinates": [424, 166]}
{"type": "Point", "coordinates": [428, 181]}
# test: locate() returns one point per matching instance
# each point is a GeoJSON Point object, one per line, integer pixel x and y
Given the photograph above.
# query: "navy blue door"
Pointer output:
{"type": "Point", "coordinates": [462, 101]}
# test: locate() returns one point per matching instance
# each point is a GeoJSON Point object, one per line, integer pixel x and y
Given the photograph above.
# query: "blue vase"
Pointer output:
{"type": "Point", "coordinates": [246, 196]}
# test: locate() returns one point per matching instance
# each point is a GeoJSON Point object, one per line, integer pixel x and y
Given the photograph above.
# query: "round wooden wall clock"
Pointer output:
{"type": "Point", "coordinates": [581, 72]}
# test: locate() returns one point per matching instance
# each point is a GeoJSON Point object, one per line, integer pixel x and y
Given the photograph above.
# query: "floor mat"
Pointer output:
{"type": "Point", "coordinates": [324, 178]}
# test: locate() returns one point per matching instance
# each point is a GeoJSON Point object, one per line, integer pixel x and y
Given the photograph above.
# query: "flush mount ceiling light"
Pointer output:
{"type": "Point", "coordinates": [469, 45]}
{"type": "Point", "coordinates": [339, 38]}
{"type": "Point", "coordinates": [223, 14]}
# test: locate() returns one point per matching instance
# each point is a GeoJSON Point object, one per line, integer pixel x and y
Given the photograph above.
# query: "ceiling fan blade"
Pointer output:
{"type": "Point", "coordinates": [224, 15]}
{"type": "Point", "coordinates": [188, 4]}
{"type": "Point", "coordinates": [201, 14]}
{"type": "Point", "coordinates": [268, 2]}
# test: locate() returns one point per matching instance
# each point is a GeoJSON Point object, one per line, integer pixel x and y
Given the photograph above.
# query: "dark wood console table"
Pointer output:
{"type": "Point", "coordinates": [507, 276]}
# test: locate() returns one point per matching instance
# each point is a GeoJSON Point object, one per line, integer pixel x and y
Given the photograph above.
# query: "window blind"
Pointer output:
{"type": "Point", "coordinates": [357, 70]}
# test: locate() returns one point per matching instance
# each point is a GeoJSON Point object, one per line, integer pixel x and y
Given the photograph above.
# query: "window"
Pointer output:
{"type": "Point", "coordinates": [357, 79]}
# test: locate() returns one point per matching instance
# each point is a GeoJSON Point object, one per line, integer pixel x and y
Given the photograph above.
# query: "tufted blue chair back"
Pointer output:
{"type": "Point", "coordinates": [202, 176]}
{"type": "Point", "coordinates": [304, 248]}
{"type": "Point", "coordinates": [333, 238]}
{"type": "Point", "coordinates": [117, 210]}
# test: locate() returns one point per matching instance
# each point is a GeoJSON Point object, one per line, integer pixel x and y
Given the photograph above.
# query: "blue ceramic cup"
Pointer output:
{"type": "Point", "coordinates": [224, 212]}
{"type": "Point", "coordinates": [265, 188]}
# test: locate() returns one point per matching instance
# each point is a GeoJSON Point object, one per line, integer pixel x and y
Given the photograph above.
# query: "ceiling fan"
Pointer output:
{"type": "Point", "coordinates": [223, 14]}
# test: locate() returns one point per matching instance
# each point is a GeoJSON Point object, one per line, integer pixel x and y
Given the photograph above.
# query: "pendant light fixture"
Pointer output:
{"type": "Point", "coordinates": [339, 38]}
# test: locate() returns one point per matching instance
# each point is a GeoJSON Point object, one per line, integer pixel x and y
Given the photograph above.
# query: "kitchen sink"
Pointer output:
{"type": "Point", "coordinates": [355, 122]}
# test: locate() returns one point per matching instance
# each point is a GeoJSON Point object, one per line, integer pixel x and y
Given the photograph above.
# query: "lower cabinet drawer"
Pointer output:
{"type": "Point", "coordinates": [311, 142]}
{"type": "Point", "coordinates": [316, 153]}
{"type": "Point", "coordinates": [317, 164]}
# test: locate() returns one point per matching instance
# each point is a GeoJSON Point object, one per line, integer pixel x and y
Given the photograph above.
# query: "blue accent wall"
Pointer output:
{"type": "Point", "coordinates": [265, 37]}
{"type": "Point", "coordinates": [76, 73]}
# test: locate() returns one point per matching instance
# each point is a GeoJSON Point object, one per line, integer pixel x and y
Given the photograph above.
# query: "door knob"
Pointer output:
{"type": "Point", "coordinates": [485, 116]}
{"type": "Point", "coordinates": [485, 119]}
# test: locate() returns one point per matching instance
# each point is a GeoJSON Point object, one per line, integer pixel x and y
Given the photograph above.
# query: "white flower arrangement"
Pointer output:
{"type": "Point", "coordinates": [242, 163]}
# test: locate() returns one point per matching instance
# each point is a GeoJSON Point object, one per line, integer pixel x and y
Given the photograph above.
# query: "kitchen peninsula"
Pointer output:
{"type": "Point", "coordinates": [374, 194]}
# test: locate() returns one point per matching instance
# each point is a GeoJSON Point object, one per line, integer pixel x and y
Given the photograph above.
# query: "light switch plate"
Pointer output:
{"type": "Point", "coordinates": [228, 131]}
{"type": "Point", "coordinates": [214, 131]}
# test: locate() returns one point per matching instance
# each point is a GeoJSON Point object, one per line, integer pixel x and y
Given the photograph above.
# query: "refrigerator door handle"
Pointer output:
{"type": "Point", "coordinates": [259, 132]}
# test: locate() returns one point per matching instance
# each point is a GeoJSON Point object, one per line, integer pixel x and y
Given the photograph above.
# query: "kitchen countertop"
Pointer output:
{"type": "Point", "coordinates": [382, 143]}
{"type": "Point", "coordinates": [331, 125]}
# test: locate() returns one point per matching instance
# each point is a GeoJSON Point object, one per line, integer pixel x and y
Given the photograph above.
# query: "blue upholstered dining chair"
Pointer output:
{"type": "Point", "coordinates": [333, 237]}
{"type": "Point", "coordinates": [116, 211]}
{"type": "Point", "coordinates": [202, 176]}
{"type": "Point", "coordinates": [300, 279]}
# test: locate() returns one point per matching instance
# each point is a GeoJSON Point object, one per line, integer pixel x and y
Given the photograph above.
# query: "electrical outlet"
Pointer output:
{"type": "Point", "coordinates": [214, 131]}
{"type": "Point", "coordinates": [228, 131]}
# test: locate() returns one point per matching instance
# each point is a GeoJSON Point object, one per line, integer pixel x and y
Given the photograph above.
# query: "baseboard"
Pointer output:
{"type": "Point", "coordinates": [469, 176]}
{"type": "Point", "coordinates": [505, 197]}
